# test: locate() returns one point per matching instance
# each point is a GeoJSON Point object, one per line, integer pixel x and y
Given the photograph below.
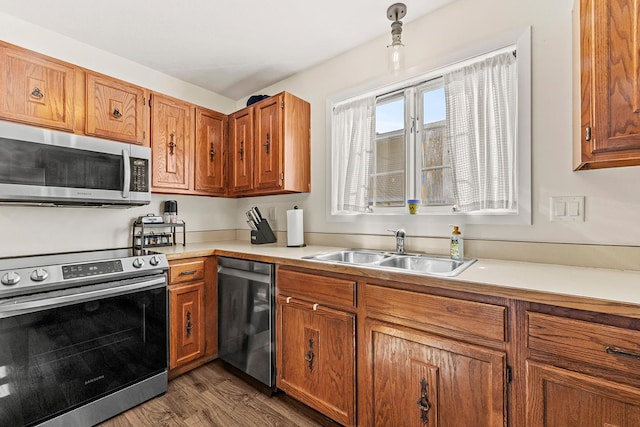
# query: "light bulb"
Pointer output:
{"type": "Point", "coordinates": [396, 58]}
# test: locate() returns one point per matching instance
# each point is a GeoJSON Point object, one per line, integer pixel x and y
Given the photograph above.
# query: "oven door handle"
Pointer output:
{"type": "Point", "coordinates": [29, 304]}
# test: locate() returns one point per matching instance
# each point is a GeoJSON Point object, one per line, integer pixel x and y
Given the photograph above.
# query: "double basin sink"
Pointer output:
{"type": "Point", "coordinates": [413, 263]}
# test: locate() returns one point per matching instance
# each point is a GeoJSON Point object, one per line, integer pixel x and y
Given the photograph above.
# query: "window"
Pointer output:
{"type": "Point", "coordinates": [448, 138]}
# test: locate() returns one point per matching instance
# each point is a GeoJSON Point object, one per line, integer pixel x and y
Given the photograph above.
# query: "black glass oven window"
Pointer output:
{"type": "Point", "coordinates": [55, 360]}
{"type": "Point", "coordinates": [29, 163]}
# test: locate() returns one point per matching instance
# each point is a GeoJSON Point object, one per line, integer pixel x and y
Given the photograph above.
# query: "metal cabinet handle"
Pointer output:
{"type": "Point", "coordinates": [241, 152]}
{"type": "Point", "coordinates": [116, 113]}
{"type": "Point", "coordinates": [212, 152]}
{"type": "Point", "coordinates": [267, 144]}
{"type": "Point", "coordinates": [310, 356]}
{"type": "Point", "coordinates": [188, 324]}
{"type": "Point", "coordinates": [620, 352]}
{"type": "Point", "coordinates": [187, 272]}
{"type": "Point", "coordinates": [423, 402]}
{"type": "Point", "coordinates": [37, 93]}
{"type": "Point", "coordinates": [172, 144]}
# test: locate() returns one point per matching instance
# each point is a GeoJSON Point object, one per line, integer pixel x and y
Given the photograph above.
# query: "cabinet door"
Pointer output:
{"type": "Point", "coordinates": [187, 323]}
{"type": "Point", "coordinates": [36, 90]}
{"type": "Point", "coordinates": [417, 380]}
{"type": "Point", "coordinates": [316, 358]}
{"type": "Point", "coordinates": [268, 140]}
{"type": "Point", "coordinates": [211, 130]}
{"type": "Point", "coordinates": [241, 150]}
{"type": "Point", "coordinates": [115, 109]}
{"type": "Point", "coordinates": [559, 398]}
{"type": "Point", "coordinates": [610, 79]}
{"type": "Point", "coordinates": [170, 143]}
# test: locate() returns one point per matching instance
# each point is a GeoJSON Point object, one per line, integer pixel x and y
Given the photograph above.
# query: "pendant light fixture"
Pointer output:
{"type": "Point", "coordinates": [395, 50]}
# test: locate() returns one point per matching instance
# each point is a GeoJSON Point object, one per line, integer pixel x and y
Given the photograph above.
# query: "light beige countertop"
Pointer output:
{"type": "Point", "coordinates": [545, 283]}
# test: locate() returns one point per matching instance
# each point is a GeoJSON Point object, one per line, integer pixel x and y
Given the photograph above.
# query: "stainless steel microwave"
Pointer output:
{"type": "Point", "coordinates": [46, 167]}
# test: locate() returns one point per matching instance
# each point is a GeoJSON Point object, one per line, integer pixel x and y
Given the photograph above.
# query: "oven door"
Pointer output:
{"type": "Point", "coordinates": [60, 350]}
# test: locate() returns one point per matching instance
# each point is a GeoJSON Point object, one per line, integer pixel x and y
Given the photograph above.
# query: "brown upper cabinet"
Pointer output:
{"type": "Point", "coordinates": [36, 90]}
{"type": "Point", "coordinates": [262, 149]}
{"type": "Point", "coordinates": [609, 84]}
{"type": "Point", "coordinates": [115, 109]}
{"type": "Point", "coordinates": [171, 144]}
{"type": "Point", "coordinates": [210, 152]}
{"type": "Point", "coordinates": [241, 151]}
{"type": "Point", "coordinates": [270, 147]}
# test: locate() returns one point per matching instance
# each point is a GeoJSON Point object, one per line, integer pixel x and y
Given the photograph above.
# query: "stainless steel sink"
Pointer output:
{"type": "Point", "coordinates": [351, 256]}
{"type": "Point", "coordinates": [427, 264]}
{"type": "Point", "coordinates": [413, 263]}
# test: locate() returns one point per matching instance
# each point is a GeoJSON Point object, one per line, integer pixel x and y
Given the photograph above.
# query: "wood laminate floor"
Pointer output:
{"type": "Point", "coordinates": [212, 396]}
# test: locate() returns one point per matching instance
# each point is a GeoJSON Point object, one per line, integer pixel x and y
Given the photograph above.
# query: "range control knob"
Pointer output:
{"type": "Point", "coordinates": [39, 274]}
{"type": "Point", "coordinates": [10, 278]}
{"type": "Point", "coordinates": [154, 260]}
{"type": "Point", "coordinates": [138, 262]}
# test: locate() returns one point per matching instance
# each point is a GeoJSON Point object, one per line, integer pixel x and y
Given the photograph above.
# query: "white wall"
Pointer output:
{"type": "Point", "coordinates": [612, 197]}
{"type": "Point", "coordinates": [28, 230]}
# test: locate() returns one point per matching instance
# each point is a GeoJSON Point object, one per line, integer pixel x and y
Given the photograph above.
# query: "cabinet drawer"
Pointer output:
{"type": "Point", "coordinates": [440, 314]}
{"type": "Point", "coordinates": [583, 341]}
{"type": "Point", "coordinates": [317, 289]}
{"type": "Point", "coordinates": [186, 271]}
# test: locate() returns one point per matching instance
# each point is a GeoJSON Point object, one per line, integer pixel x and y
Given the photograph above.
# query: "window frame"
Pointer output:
{"type": "Point", "coordinates": [520, 40]}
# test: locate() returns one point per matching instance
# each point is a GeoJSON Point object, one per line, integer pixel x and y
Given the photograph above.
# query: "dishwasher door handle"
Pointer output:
{"type": "Point", "coordinates": [249, 275]}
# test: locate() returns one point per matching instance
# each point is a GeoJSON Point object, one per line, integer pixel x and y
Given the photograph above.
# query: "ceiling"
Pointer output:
{"type": "Point", "coordinates": [233, 48]}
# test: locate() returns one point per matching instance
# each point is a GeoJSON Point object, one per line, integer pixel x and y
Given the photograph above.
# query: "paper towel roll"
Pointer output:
{"type": "Point", "coordinates": [295, 229]}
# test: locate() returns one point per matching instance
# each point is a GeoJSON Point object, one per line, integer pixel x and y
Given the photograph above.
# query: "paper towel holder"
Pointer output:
{"type": "Point", "coordinates": [302, 245]}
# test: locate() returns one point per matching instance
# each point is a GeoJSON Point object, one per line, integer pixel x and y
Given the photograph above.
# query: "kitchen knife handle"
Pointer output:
{"type": "Point", "coordinates": [260, 217]}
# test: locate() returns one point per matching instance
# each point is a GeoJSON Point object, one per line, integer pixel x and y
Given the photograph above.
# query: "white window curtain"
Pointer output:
{"type": "Point", "coordinates": [352, 136]}
{"type": "Point", "coordinates": [481, 133]}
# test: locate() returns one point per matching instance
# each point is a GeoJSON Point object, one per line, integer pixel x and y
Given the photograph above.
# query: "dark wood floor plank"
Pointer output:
{"type": "Point", "coordinates": [213, 397]}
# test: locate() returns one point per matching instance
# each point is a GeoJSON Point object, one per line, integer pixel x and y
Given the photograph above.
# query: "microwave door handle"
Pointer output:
{"type": "Point", "coordinates": [127, 174]}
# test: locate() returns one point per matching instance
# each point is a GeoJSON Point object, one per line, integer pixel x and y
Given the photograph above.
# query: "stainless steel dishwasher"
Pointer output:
{"type": "Point", "coordinates": [246, 317]}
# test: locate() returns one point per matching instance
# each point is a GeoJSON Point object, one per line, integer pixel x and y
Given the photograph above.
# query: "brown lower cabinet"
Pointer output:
{"type": "Point", "coordinates": [409, 354]}
{"type": "Point", "coordinates": [419, 379]}
{"type": "Point", "coordinates": [315, 343]}
{"type": "Point", "coordinates": [193, 314]}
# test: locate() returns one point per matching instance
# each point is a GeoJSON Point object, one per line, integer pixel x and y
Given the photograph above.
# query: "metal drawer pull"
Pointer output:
{"type": "Point", "coordinates": [621, 352]}
{"type": "Point", "coordinates": [188, 325]}
{"type": "Point", "coordinates": [188, 272]}
{"type": "Point", "coordinates": [288, 300]}
{"type": "Point", "coordinates": [423, 402]}
{"type": "Point", "coordinates": [315, 307]}
{"type": "Point", "coordinates": [267, 144]}
{"type": "Point", "coordinates": [116, 113]}
{"type": "Point", "coordinates": [37, 93]}
{"type": "Point", "coordinates": [309, 357]}
{"type": "Point", "coordinates": [172, 144]}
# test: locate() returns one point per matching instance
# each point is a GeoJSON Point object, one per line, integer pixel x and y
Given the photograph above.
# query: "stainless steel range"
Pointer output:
{"type": "Point", "coordinates": [83, 335]}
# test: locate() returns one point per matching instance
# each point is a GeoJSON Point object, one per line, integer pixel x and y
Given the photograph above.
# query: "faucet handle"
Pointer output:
{"type": "Point", "coordinates": [399, 232]}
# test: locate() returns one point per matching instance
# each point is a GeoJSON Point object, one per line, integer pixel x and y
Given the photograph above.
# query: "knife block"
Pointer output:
{"type": "Point", "coordinates": [263, 234]}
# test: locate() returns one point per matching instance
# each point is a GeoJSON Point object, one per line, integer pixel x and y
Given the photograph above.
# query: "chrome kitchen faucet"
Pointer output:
{"type": "Point", "coordinates": [400, 235]}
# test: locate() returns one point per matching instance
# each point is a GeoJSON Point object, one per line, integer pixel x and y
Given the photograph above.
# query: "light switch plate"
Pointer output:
{"type": "Point", "coordinates": [566, 208]}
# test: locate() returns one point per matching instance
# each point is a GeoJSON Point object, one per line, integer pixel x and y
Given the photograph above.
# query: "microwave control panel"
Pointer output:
{"type": "Point", "coordinates": [139, 175]}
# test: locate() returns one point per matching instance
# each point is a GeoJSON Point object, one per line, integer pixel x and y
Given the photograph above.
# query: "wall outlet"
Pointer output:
{"type": "Point", "coordinates": [272, 213]}
{"type": "Point", "coordinates": [564, 208]}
